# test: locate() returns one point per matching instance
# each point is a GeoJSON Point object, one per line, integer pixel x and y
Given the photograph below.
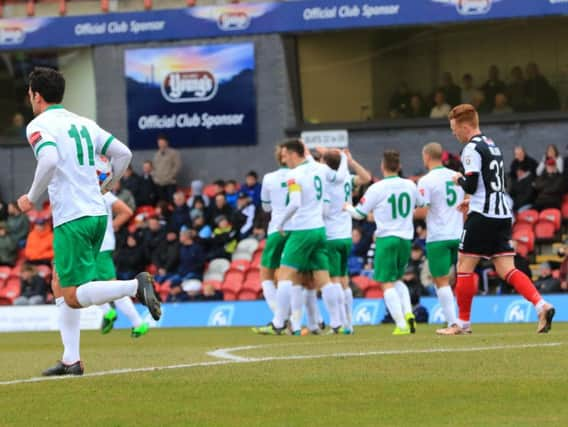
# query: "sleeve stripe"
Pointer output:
{"type": "Point", "coordinates": [265, 201]}
{"type": "Point", "coordinates": [44, 144]}
{"type": "Point", "coordinates": [107, 143]}
{"type": "Point", "coordinates": [360, 213]}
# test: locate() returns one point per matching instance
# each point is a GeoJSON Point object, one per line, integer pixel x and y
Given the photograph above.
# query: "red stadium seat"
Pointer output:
{"type": "Point", "coordinates": [522, 249]}
{"type": "Point", "coordinates": [544, 231]}
{"type": "Point", "coordinates": [215, 283]}
{"type": "Point", "coordinates": [525, 237]}
{"type": "Point", "coordinates": [374, 292]}
{"type": "Point", "coordinates": [229, 296]}
{"type": "Point", "coordinates": [256, 258]}
{"type": "Point", "coordinates": [240, 265]}
{"type": "Point", "coordinates": [233, 283]}
{"type": "Point", "coordinates": [551, 215]}
{"type": "Point", "coordinates": [163, 289]}
{"type": "Point", "coordinates": [522, 227]}
{"type": "Point", "coordinates": [363, 282]}
{"type": "Point", "coordinates": [530, 216]}
{"type": "Point", "coordinates": [10, 291]}
{"type": "Point", "coordinates": [4, 272]}
{"type": "Point", "coordinates": [210, 190]}
{"type": "Point", "coordinates": [247, 295]}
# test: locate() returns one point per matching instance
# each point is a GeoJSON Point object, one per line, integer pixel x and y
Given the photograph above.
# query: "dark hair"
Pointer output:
{"type": "Point", "coordinates": [391, 160]}
{"type": "Point", "coordinates": [231, 181]}
{"type": "Point", "coordinates": [164, 137]}
{"type": "Point", "coordinates": [253, 174]}
{"type": "Point", "coordinates": [332, 159]}
{"type": "Point", "coordinates": [49, 83]}
{"type": "Point", "coordinates": [219, 182]}
{"type": "Point", "coordinates": [293, 145]}
{"type": "Point", "coordinates": [149, 162]}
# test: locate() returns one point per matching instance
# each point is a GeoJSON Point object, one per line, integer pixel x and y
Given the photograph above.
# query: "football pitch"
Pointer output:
{"type": "Point", "coordinates": [500, 375]}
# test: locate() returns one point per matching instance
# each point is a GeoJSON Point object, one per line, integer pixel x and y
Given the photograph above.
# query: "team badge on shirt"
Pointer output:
{"type": "Point", "coordinates": [35, 137]}
{"type": "Point", "coordinates": [293, 186]}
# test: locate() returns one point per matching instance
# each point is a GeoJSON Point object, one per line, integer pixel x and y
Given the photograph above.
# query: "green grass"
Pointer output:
{"type": "Point", "coordinates": [345, 386]}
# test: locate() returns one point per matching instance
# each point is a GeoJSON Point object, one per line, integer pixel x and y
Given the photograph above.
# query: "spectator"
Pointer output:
{"type": "Point", "coordinates": [125, 195]}
{"type": "Point", "coordinates": [551, 153]}
{"type": "Point", "coordinates": [166, 256]}
{"type": "Point", "coordinates": [197, 191]}
{"type": "Point", "coordinates": [441, 109]}
{"type": "Point", "coordinates": [209, 293]}
{"type": "Point", "coordinates": [180, 214]}
{"type": "Point", "coordinates": [545, 283]}
{"type": "Point", "coordinates": [252, 187]}
{"type": "Point", "coordinates": [467, 90]}
{"type": "Point", "coordinates": [202, 229]}
{"type": "Point", "coordinates": [33, 289]}
{"type": "Point", "coordinates": [517, 90]}
{"type": "Point", "coordinates": [163, 212]}
{"type": "Point", "coordinates": [18, 224]}
{"type": "Point", "coordinates": [218, 186]}
{"type": "Point", "coordinates": [522, 189]}
{"type": "Point", "coordinates": [131, 182]}
{"type": "Point", "coordinates": [416, 261]}
{"type": "Point", "coordinates": [479, 103]}
{"type": "Point", "coordinates": [191, 265]}
{"type": "Point", "coordinates": [39, 246]}
{"type": "Point", "coordinates": [493, 86]}
{"type": "Point", "coordinates": [417, 108]}
{"type": "Point", "coordinates": [130, 259]}
{"type": "Point", "coordinates": [399, 102]}
{"type": "Point", "coordinates": [3, 210]}
{"type": "Point", "coordinates": [221, 207]}
{"type": "Point", "coordinates": [223, 242]}
{"type": "Point", "coordinates": [549, 187]}
{"type": "Point", "coordinates": [452, 92]}
{"type": "Point", "coordinates": [541, 96]}
{"type": "Point", "coordinates": [246, 211]}
{"type": "Point", "coordinates": [8, 247]}
{"type": "Point", "coordinates": [148, 194]}
{"type": "Point", "coordinates": [356, 258]}
{"type": "Point", "coordinates": [153, 236]}
{"type": "Point", "coordinates": [501, 105]}
{"type": "Point", "coordinates": [18, 127]}
{"type": "Point", "coordinates": [198, 208]}
{"type": "Point", "coordinates": [231, 193]}
{"type": "Point", "coordinates": [167, 164]}
{"type": "Point", "coordinates": [522, 158]}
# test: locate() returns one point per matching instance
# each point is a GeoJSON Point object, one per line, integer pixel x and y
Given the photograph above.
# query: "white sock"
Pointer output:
{"type": "Point", "coordinates": [97, 293]}
{"type": "Point", "coordinates": [105, 308]}
{"type": "Point", "coordinates": [69, 328]}
{"type": "Point", "coordinates": [447, 302]}
{"type": "Point", "coordinates": [126, 306]}
{"type": "Point", "coordinates": [269, 292]}
{"type": "Point", "coordinates": [348, 308]}
{"type": "Point", "coordinates": [283, 295]}
{"type": "Point", "coordinates": [312, 310]}
{"type": "Point", "coordinates": [404, 295]}
{"type": "Point", "coordinates": [340, 303]}
{"type": "Point", "coordinates": [392, 301]}
{"type": "Point", "coordinates": [331, 304]}
{"type": "Point", "coordinates": [296, 303]}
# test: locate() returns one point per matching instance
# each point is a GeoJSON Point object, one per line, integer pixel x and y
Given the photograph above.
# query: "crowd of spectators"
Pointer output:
{"type": "Point", "coordinates": [526, 91]}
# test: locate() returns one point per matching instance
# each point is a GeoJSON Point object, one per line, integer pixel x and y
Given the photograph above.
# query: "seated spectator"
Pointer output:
{"type": "Point", "coordinates": [153, 235]}
{"type": "Point", "coordinates": [356, 260]}
{"type": "Point", "coordinates": [130, 259]}
{"type": "Point", "coordinates": [493, 86]}
{"type": "Point", "coordinates": [417, 108]}
{"type": "Point", "coordinates": [441, 108]}
{"type": "Point", "coordinates": [501, 105]}
{"type": "Point", "coordinates": [452, 161]}
{"type": "Point", "coordinates": [163, 212]}
{"type": "Point", "coordinates": [197, 191]}
{"type": "Point", "coordinates": [131, 181]}
{"type": "Point", "coordinates": [551, 153]}
{"type": "Point", "coordinates": [8, 247]}
{"type": "Point", "coordinates": [180, 214]}
{"type": "Point", "coordinates": [243, 217]}
{"type": "Point", "coordinates": [148, 191]}
{"type": "Point", "coordinates": [522, 189]}
{"type": "Point", "coordinates": [220, 208]}
{"type": "Point", "coordinates": [252, 187]}
{"type": "Point", "coordinates": [18, 127]}
{"type": "Point", "coordinates": [416, 261]}
{"type": "Point", "coordinates": [399, 101]}
{"type": "Point", "coordinates": [18, 224]}
{"type": "Point", "coordinates": [218, 186]}
{"type": "Point", "coordinates": [39, 245]}
{"type": "Point", "coordinates": [198, 209]}
{"type": "Point", "coordinates": [467, 90]}
{"type": "Point", "coordinates": [33, 289]}
{"type": "Point", "coordinates": [191, 265]}
{"type": "Point", "coordinates": [479, 102]}
{"type": "Point", "coordinates": [231, 193]}
{"type": "Point", "coordinates": [224, 240]}
{"type": "Point", "coordinates": [516, 91]}
{"type": "Point", "coordinates": [125, 195]}
{"type": "Point", "coordinates": [549, 187]}
{"type": "Point", "coordinates": [203, 230]}
{"type": "Point", "coordinates": [166, 256]}
{"type": "Point", "coordinates": [522, 158]}
{"type": "Point", "coordinates": [540, 95]}
{"type": "Point", "coordinates": [452, 92]}
{"type": "Point", "coordinates": [209, 293]}
{"type": "Point", "coordinates": [545, 283]}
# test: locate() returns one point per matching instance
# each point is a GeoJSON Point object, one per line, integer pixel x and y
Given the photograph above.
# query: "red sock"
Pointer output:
{"type": "Point", "coordinates": [523, 285]}
{"type": "Point", "coordinates": [466, 288]}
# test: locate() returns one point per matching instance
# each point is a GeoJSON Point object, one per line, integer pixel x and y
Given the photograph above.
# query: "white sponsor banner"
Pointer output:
{"type": "Point", "coordinates": [43, 318]}
{"type": "Point", "coordinates": [326, 138]}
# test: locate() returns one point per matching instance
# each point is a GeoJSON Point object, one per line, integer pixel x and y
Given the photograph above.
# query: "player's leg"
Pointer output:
{"type": "Point", "coordinates": [466, 289]}
{"type": "Point", "coordinates": [336, 272]}
{"type": "Point", "coordinates": [106, 271]}
{"type": "Point", "coordinates": [403, 250]}
{"type": "Point", "coordinates": [505, 267]}
{"type": "Point", "coordinates": [311, 300]}
{"type": "Point", "coordinates": [345, 250]}
{"type": "Point", "coordinates": [268, 265]}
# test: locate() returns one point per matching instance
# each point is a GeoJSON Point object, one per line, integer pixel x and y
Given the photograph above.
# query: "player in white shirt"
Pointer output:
{"type": "Point", "coordinates": [444, 223]}
{"type": "Point", "coordinates": [118, 215]}
{"type": "Point", "coordinates": [65, 146]}
{"type": "Point", "coordinates": [392, 202]}
{"type": "Point", "coordinates": [339, 227]}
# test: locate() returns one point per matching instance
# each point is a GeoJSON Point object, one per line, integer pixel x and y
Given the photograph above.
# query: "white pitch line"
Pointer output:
{"type": "Point", "coordinates": [227, 359]}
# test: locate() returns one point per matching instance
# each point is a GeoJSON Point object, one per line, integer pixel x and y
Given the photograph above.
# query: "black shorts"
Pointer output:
{"type": "Point", "coordinates": [486, 237]}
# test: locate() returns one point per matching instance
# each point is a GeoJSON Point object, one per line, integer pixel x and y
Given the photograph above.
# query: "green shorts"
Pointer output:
{"type": "Point", "coordinates": [105, 266]}
{"type": "Point", "coordinates": [338, 251]}
{"type": "Point", "coordinates": [441, 256]}
{"type": "Point", "coordinates": [272, 252]}
{"type": "Point", "coordinates": [305, 250]}
{"type": "Point", "coordinates": [76, 245]}
{"type": "Point", "coordinates": [391, 258]}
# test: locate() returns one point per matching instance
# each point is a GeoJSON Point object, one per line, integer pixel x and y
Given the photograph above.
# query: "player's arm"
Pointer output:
{"type": "Point", "coordinates": [265, 196]}
{"type": "Point", "coordinates": [423, 200]}
{"type": "Point", "coordinates": [121, 213]}
{"type": "Point", "coordinates": [362, 175]}
{"type": "Point", "coordinates": [294, 202]}
{"type": "Point", "coordinates": [120, 157]}
{"type": "Point", "coordinates": [365, 205]}
{"type": "Point", "coordinates": [472, 168]}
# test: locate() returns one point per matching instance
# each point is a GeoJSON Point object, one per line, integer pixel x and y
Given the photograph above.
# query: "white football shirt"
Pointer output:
{"type": "Point", "coordinates": [74, 190]}
{"type": "Point", "coordinates": [338, 222]}
{"type": "Point", "coordinates": [442, 196]}
{"type": "Point", "coordinates": [307, 178]}
{"type": "Point", "coordinates": [109, 241]}
{"type": "Point", "coordinates": [275, 193]}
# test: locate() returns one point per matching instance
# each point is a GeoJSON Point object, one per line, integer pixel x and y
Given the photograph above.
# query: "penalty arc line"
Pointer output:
{"type": "Point", "coordinates": [226, 358]}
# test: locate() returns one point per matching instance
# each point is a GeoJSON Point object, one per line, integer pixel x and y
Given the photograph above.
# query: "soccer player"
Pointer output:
{"type": "Point", "coordinates": [65, 146]}
{"type": "Point", "coordinates": [338, 227]}
{"type": "Point", "coordinates": [392, 202]}
{"type": "Point", "coordinates": [106, 271]}
{"type": "Point", "coordinates": [487, 229]}
{"type": "Point", "coordinates": [444, 222]}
